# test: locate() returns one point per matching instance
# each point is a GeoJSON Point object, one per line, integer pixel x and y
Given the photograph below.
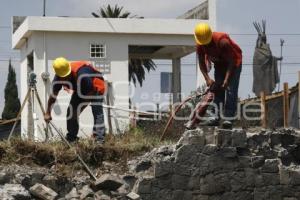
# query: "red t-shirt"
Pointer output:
{"type": "Point", "coordinates": [222, 51]}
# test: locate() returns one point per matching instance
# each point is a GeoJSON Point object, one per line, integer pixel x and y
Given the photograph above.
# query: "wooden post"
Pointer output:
{"type": "Point", "coordinates": [176, 80]}
{"type": "Point", "coordinates": [263, 109]}
{"type": "Point", "coordinates": [108, 109]}
{"type": "Point", "coordinates": [133, 117]}
{"type": "Point", "coordinates": [157, 111]}
{"type": "Point", "coordinates": [299, 99]}
{"type": "Point", "coordinates": [285, 105]}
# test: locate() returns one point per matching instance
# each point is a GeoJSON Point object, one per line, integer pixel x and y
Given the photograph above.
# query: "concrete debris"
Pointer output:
{"type": "Point", "coordinates": [133, 196]}
{"type": "Point", "coordinates": [14, 191]}
{"type": "Point", "coordinates": [43, 192]}
{"type": "Point", "coordinates": [73, 194]}
{"type": "Point", "coordinates": [85, 192]}
{"type": "Point", "coordinates": [108, 182]}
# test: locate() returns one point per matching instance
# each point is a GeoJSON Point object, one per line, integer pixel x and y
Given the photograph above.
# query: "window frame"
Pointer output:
{"type": "Point", "coordinates": [97, 48]}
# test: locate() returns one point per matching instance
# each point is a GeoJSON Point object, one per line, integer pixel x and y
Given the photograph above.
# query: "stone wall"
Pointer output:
{"type": "Point", "coordinates": [222, 164]}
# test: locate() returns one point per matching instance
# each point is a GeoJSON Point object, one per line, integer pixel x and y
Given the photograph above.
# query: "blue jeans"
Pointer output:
{"type": "Point", "coordinates": [97, 110]}
{"type": "Point", "coordinates": [227, 98]}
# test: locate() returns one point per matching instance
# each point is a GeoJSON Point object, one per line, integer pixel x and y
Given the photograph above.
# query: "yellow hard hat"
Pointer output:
{"type": "Point", "coordinates": [61, 67]}
{"type": "Point", "coordinates": [203, 34]}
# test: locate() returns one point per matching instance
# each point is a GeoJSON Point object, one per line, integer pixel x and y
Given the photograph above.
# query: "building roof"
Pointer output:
{"type": "Point", "coordinates": [199, 12]}
{"type": "Point", "coordinates": [102, 25]}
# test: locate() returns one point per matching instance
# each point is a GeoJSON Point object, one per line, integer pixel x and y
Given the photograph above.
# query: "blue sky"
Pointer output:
{"type": "Point", "coordinates": [234, 17]}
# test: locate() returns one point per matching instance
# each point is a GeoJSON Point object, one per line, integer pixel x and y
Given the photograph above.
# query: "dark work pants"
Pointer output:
{"type": "Point", "coordinates": [228, 98]}
{"type": "Point", "coordinates": [76, 106]}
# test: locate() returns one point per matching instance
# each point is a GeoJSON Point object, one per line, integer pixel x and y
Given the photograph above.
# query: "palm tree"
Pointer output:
{"type": "Point", "coordinates": [137, 67]}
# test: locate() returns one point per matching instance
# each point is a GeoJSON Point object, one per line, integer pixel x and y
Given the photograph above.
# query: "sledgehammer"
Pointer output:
{"type": "Point", "coordinates": [87, 169]}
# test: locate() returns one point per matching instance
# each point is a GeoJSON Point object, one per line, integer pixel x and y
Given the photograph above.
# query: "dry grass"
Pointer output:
{"type": "Point", "coordinates": [117, 149]}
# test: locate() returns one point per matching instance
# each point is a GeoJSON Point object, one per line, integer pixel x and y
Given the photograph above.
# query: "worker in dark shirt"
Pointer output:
{"type": "Point", "coordinates": [218, 48]}
{"type": "Point", "coordinates": [87, 86]}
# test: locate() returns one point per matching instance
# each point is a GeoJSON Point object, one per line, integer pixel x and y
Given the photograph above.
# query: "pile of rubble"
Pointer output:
{"type": "Point", "coordinates": [223, 164]}
{"type": "Point", "coordinates": [26, 183]}
{"type": "Point", "coordinates": [204, 165]}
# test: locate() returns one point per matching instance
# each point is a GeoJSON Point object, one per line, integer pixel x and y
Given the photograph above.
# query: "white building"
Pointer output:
{"type": "Point", "coordinates": [42, 39]}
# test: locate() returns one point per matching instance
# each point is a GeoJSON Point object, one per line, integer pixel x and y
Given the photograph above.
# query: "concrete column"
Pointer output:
{"type": "Point", "coordinates": [176, 80]}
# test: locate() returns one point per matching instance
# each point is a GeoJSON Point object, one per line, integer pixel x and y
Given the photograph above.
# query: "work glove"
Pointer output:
{"type": "Point", "coordinates": [47, 117]}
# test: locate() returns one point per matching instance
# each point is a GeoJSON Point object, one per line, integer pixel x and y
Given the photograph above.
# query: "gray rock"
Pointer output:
{"type": "Point", "coordinates": [133, 196]}
{"type": "Point", "coordinates": [270, 179]}
{"type": "Point", "coordinates": [177, 194]}
{"type": "Point", "coordinates": [108, 182]}
{"type": "Point", "coordinates": [223, 137]}
{"type": "Point", "coordinates": [166, 150]}
{"type": "Point", "coordinates": [73, 194]}
{"type": "Point", "coordinates": [228, 152]}
{"type": "Point", "coordinates": [143, 165]}
{"type": "Point", "coordinates": [14, 192]}
{"type": "Point", "coordinates": [209, 149]}
{"type": "Point", "coordinates": [85, 192]}
{"type": "Point", "coordinates": [180, 182]}
{"type": "Point", "coordinates": [163, 168]}
{"type": "Point", "coordinates": [209, 185]}
{"type": "Point", "coordinates": [143, 185]}
{"type": "Point", "coordinates": [101, 196]}
{"type": "Point", "coordinates": [295, 176]}
{"type": "Point", "coordinates": [4, 178]}
{"type": "Point", "coordinates": [191, 137]}
{"type": "Point", "coordinates": [284, 176]}
{"type": "Point", "coordinates": [187, 154]}
{"type": "Point", "coordinates": [239, 138]}
{"type": "Point", "coordinates": [129, 180]}
{"type": "Point", "coordinates": [271, 166]}
{"type": "Point", "coordinates": [257, 161]}
{"type": "Point", "coordinates": [43, 192]}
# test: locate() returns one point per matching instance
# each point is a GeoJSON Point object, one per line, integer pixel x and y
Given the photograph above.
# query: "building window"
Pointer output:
{"type": "Point", "coordinates": [97, 51]}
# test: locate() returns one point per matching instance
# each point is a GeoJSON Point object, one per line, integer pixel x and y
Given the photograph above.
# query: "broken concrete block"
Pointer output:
{"type": "Point", "coordinates": [101, 196]}
{"type": "Point", "coordinates": [85, 192]}
{"type": "Point", "coordinates": [129, 180]}
{"type": "Point", "coordinates": [191, 137]}
{"type": "Point", "coordinates": [163, 168]}
{"type": "Point", "coordinates": [133, 196]}
{"type": "Point", "coordinates": [271, 166]}
{"type": "Point", "coordinates": [239, 138]}
{"type": "Point", "coordinates": [143, 185]}
{"type": "Point", "coordinates": [209, 149]}
{"type": "Point", "coordinates": [43, 192]}
{"type": "Point", "coordinates": [223, 137]}
{"type": "Point", "coordinates": [108, 182]}
{"type": "Point", "coordinates": [73, 194]}
{"type": "Point", "coordinates": [4, 178]}
{"type": "Point", "coordinates": [228, 152]}
{"type": "Point", "coordinates": [143, 165]}
{"type": "Point", "coordinates": [14, 191]}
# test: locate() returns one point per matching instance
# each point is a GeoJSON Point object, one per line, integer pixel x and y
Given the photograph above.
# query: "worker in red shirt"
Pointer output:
{"type": "Point", "coordinates": [219, 49]}
{"type": "Point", "coordinates": [87, 86]}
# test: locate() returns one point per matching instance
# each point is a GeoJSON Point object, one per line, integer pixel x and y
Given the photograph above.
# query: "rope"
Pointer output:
{"type": "Point", "coordinates": [3, 122]}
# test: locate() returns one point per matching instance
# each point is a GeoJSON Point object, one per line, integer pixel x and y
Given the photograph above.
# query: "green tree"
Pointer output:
{"type": "Point", "coordinates": [137, 67]}
{"type": "Point", "coordinates": [12, 102]}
